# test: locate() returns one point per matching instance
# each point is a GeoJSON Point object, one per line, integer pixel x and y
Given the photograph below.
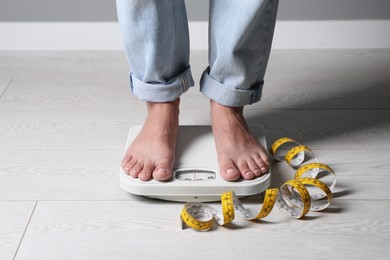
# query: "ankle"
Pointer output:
{"type": "Point", "coordinates": [218, 108]}
{"type": "Point", "coordinates": [163, 107]}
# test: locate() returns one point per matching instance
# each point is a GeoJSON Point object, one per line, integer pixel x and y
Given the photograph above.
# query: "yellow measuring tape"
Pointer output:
{"type": "Point", "coordinates": [306, 192]}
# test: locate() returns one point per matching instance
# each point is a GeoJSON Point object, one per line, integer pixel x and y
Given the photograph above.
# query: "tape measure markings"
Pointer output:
{"type": "Point", "coordinates": [295, 197]}
{"type": "Point", "coordinates": [278, 143]}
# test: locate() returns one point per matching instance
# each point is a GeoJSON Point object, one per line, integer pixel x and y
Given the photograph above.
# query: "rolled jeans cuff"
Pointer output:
{"type": "Point", "coordinates": [226, 96]}
{"type": "Point", "coordinates": [162, 91]}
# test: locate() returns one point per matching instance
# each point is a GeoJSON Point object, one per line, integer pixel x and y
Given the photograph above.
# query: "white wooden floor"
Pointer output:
{"type": "Point", "coordinates": [64, 118]}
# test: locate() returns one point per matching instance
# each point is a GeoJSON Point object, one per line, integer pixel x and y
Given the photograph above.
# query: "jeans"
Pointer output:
{"type": "Point", "coordinates": [156, 40]}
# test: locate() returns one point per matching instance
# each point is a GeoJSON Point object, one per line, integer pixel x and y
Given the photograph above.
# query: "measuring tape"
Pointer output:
{"type": "Point", "coordinates": [296, 197]}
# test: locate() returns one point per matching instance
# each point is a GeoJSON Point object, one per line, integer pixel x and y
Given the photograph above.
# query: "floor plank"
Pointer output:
{"type": "Point", "coordinates": [61, 175]}
{"type": "Point", "coordinates": [317, 91]}
{"type": "Point", "coordinates": [93, 175]}
{"type": "Point", "coordinates": [326, 129]}
{"type": "Point", "coordinates": [67, 90]}
{"type": "Point", "coordinates": [101, 230]}
{"type": "Point", "coordinates": [14, 217]}
{"type": "Point", "coordinates": [357, 172]}
{"type": "Point", "coordinates": [4, 85]}
{"type": "Point", "coordinates": [334, 62]}
{"type": "Point", "coordinates": [107, 129]}
{"type": "Point", "coordinates": [344, 79]}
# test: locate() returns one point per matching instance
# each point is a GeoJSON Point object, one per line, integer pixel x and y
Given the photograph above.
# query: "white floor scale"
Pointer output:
{"type": "Point", "coordinates": [196, 173]}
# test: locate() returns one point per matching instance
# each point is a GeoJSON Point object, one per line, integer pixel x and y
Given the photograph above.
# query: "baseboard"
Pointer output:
{"type": "Point", "coordinates": [106, 35]}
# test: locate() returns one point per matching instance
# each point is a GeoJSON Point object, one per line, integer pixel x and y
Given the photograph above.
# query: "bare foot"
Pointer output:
{"type": "Point", "coordinates": [239, 153]}
{"type": "Point", "coordinates": [152, 153]}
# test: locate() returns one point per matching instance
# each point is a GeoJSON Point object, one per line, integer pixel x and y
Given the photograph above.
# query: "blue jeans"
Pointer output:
{"type": "Point", "coordinates": [156, 40]}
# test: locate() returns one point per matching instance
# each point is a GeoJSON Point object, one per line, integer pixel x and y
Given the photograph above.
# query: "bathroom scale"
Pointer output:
{"type": "Point", "coordinates": [196, 173]}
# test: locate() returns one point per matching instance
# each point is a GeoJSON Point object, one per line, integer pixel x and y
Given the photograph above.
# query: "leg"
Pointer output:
{"type": "Point", "coordinates": [155, 35]}
{"type": "Point", "coordinates": [239, 46]}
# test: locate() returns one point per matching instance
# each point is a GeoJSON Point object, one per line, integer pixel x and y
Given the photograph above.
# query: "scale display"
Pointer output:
{"type": "Point", "coordinates": [196, 173]}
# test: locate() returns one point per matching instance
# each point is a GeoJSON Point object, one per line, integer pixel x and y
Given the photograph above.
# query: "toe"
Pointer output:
{"type": "Point", "coordinates": [245, 171]}
{"type": "Point", "coordinates": [162, 172]}
{"type": "Point", "coordinates": [230, 172]}
{"type": "Point", "coordinates": [130, 164]}
{"type": "Point", "coordinates": [126, 159]}
{"type": "Point", "coordinates": [136, 169]}
{"type": "Point", "coordinates": [146, 173]}
{"type": "Point", "coordinates": [261, 164]}
{"type": "Point", "coordinates": [254, 167]}
{"type": "Point", "coordinates": [247, 174]}
{"type": "Point", "coordinates": [264, 157]}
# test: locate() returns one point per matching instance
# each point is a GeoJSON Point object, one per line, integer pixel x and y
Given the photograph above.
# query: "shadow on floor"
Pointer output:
{"type": "Point", "coordinates": [361, 113]}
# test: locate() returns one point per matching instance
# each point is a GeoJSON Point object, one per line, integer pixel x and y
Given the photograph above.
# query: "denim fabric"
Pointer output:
{"type": "Point", "coordinates": [156, 40]}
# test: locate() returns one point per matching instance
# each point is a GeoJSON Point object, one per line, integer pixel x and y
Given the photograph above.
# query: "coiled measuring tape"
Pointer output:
{"type": "Point", "coordinates": [296, 197]}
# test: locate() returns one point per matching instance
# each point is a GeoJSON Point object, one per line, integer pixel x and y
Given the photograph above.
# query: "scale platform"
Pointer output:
{"type": "Point", "coordinates": [196, 173]}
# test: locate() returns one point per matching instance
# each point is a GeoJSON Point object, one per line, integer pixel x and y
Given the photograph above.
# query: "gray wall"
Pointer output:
{"type": "Point", "coordinates": [104, 10]}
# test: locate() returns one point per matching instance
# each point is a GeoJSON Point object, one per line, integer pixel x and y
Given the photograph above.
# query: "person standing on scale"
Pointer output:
{"type": "Point", "coordinates": [156, 41]}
